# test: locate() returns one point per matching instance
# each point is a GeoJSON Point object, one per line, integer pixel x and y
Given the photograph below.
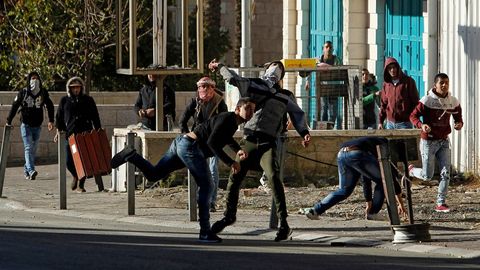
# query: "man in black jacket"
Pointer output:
{"type": "Point", "coordinates": [76, 113]}
{"type": "Point", "coordinates": [208, 103]}
{"type": "Point", "coordinates": [31, 100]}
{"type": "Point", "coordinates": [260, 135]}
{"type": "Point", "coordinates": [191, 150]}
{"type": "Point", "coordinates": [145, 106]}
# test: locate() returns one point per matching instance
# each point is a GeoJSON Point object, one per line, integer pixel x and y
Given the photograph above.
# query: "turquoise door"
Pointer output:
{"type": "Point", "coordinates": [403, 41]}
{"type": "Point", "coordinates": [326, 24]}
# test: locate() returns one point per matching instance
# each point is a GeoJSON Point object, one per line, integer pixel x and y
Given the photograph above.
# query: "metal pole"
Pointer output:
{"type": "Point", "coordinates": [62, 172]}
{"type": "Point", "coordinates": [384, 162]}
{"type": "Point", "coordinates": [408, 191]}
{"type": "Point", "coordinates": [159, 99]}
{"type": "Point", "coordinates": [131, 177]}
{"type": "Point", "coordinates": [192, 197]}
{"type": "Point", "coordinates": [4, 154]}
{"type": "Point", "coordinates": [246, 48]}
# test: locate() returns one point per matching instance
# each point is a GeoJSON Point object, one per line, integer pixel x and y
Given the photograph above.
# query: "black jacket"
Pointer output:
{"type": "Point", "coordinates": [201, 112]}
{"type": "Point", "coordinates": [146, 100]}
{"type": "Point", "coordinates": [76, 114]}
{"type": "Point", "coordinates": [31, 106]}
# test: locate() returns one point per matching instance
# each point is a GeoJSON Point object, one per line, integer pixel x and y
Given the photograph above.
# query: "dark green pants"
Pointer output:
{"type": "Point", "coordinates": [261, 156]}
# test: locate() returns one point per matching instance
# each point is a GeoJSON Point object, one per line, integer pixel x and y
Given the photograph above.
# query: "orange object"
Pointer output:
{"type": "Point", "coordinates": [80, 156]}
{"type": "Point", "coordinates": [91, 153]}
{"type": "Point", "coordinates": [103, 165]}
{"type": "Point", "coordinates": [107, 151]}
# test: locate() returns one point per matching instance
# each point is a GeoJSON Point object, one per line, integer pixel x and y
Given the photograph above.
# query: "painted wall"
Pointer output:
{"type": "Point", "coordinates": [459, 57]}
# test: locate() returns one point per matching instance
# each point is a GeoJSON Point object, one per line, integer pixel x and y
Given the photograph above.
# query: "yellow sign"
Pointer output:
{"type": "Point", "coordinates": [299, 63]}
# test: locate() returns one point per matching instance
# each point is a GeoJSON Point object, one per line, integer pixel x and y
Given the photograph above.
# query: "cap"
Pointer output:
{"type": "Point", "coordinates": [75, 83]}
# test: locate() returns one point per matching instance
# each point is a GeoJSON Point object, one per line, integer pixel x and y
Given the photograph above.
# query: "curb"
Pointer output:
{"type": "Point", "coordinates": [326, 239]}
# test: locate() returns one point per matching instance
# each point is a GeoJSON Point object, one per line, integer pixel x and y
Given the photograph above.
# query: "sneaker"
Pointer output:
{"type": "Point", "coordinates": [222, 223]}
{"type": "Point", "coordinates": [122, 157]}
{"type": "Point", "coordinates": [310, 213]}
{"type": "Point", "coordinates": [283, 233]}
{"type": "Point", "coordinates": [209, 237]}
{"type": "Point", "coordinates": [443, 208]}
{"type": "Point", "coordinates": [33, 175]}
{"type": "Point", "coordinates": [26, 175]}
{"type": "Point", "coordinates": [377, 217]}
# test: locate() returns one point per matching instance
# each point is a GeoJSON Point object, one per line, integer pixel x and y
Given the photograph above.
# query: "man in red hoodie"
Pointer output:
{"type": "Point", "coordinates": [399, 96]}
{"type": "Point", "coordinates": [436, 108]}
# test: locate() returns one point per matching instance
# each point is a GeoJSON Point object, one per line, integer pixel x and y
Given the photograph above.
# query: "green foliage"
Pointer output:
{"type": "Point", "coordinates": [77, 38]}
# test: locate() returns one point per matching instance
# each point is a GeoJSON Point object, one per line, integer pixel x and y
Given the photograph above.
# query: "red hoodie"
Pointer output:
{"type": "Point", "coordinates": [397, 101]}
{"type": "Point", "coordinates": [436, 113]}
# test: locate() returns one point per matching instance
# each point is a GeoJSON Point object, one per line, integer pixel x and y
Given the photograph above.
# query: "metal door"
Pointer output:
{"type": "Point", "coordinates": [326, 23]}
{"type": "Point", "coordinates": [404, 29]}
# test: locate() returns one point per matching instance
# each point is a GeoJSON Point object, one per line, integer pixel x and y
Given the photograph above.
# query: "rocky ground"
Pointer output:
{"type": "Point", "coordinates": [463, 199]}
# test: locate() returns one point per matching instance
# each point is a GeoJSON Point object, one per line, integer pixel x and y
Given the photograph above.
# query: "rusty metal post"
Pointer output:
{"type": "Point", "coordinates": [192, 197]}
{"type": "Point", "coordinates": [408, 190]}
{"type": "Point", "coordinates": [131, 177]}
{"type": "Point", "coordinates": [384, 162]}
{"type": "Point", "coordinates": [4, 154]}
{"type": "Point", "coordinates": [62, 169]}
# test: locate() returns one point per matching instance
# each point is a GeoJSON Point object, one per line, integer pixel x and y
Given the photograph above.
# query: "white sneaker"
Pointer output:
{"type": "Point", "coordinates": [310, 213]}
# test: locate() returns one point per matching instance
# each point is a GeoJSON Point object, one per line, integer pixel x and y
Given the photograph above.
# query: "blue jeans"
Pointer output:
{"type": "Point", "coordinates": [330, 111]}
{"type": "Point", "coordinates": [398, 125]}
{"type": "Point", "coordinates": [213, 165]}
{"type": "Point", "coordinates": [431, 150]}
{"type": "Point", "coordinates": [30, 137]}
{"type": "Point", "coordinates": [183, 152]}
{"type": "Point", "coordinates": [351, 166]}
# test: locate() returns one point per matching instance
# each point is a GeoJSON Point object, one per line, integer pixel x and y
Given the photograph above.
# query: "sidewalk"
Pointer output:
{"type": "Point", "coordinates": [42, 195]}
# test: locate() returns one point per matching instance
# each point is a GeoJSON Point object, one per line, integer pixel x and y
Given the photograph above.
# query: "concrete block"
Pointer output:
{"type": "Point", "coordinates": [357, 51]}
{"type": "Point", "coordinates": [357, 36]}
{"type": "Point", "coordinates": [358, 20]}
{"type": "Point", "coordinates": [372, 36]}
{"type": "Point", "coordinates": [108, 116]}
{"type": "Point", "coordinates": [357, 6]}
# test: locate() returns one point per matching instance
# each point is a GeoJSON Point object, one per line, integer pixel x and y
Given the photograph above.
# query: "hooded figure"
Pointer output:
{"type": "Point", "coordinates": [260, 136]}
{"type": "Point", "coordinates": [76, 113]}
{"type": "Point", "coordinates": [399, 96]}
{"type": "Point", "coordinates": [145, 105]}
{"type": "Point", "coordinates": [31, 100]}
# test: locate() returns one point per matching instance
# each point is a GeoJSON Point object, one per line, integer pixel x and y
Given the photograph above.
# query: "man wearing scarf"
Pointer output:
{"type": "Point", "coordinates": [208, 102]}
{"type": "Point", "coordinates": [31, 100]}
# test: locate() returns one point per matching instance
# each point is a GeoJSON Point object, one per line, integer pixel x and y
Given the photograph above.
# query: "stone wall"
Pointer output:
{"type": "Point", "coordinates": [302, 165]}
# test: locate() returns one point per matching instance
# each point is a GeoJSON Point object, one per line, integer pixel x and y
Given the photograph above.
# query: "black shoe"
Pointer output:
{"type": "Point", "coordinates": [283, 234]}
{"type": "Point", "coordinates": [33, 175]}
{"type": "Point", "coordinates": [27, 176]}
{"type": "Point", "coordinates": [209, 237]}
{"type": "Point", "coordinates": [222, 223]}
{"type": "Point", "coordinates": [122, 157]}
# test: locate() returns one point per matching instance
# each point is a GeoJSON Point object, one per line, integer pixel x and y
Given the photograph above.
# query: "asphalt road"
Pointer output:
{"type": "Point", "coordinates": [43, 241]}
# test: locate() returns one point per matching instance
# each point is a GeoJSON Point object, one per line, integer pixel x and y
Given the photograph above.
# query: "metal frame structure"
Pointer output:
{"type": "Point", "coordinates": [133, 69]}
